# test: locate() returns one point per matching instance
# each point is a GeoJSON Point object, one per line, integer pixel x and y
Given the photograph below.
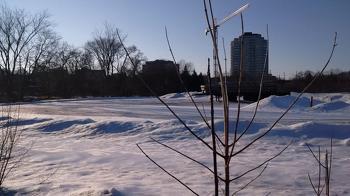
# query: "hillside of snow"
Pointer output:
{"type": "Point", "coordinates": [88, 146]}
{"type": "Point", "coordinates": [321, 103]}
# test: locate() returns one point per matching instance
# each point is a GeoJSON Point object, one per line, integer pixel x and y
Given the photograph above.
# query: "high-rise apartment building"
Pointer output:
{"type": "Point", "coordinates": [254, 53]}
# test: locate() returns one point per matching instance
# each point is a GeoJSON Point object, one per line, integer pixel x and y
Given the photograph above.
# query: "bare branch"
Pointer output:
{"type": "Point", "coordinates": [183, 184]}
{"type": "Point", "coordinates": [312, 184]}
{"type": "Point", "coordinates": [313, 154]}
{"type": "Point", "coordinates": [165, 104]}
{"type": "Point", "coordinates": [225, 58]}
{"type": "Point", "coordinates": [319, 170]}
{"type": "Point", "coordinates": [295, 100]}
{"type": "Point", "coordinates": [239, 86]}
{"type": "Point", "coordinates": [251, 181]}
{"type": "Point", "coordinates": [182, 82]}
{"type": "Point", "coordinates": [213, 134]}
{"type": "Point", "coordinates": [184, 155]}
{"type": "Point", "coordinates": [260, 88]}
{"type": "Point", "coordinates": [263, 163]}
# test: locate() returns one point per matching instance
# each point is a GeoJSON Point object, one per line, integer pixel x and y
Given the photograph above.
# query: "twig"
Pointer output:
{"type": "Point", "coordinates": [313, 186]}
{"type": "Point", "coordinates": [184, 155]}
{"type": "Point", "coordinates": [225, 59]}
{"type": "Point", "coordinates": [183, 184]}
{"type": "Point", "coordinates": [263, 163]}
{"type": "Point", "coordinates": [251, 181]}
{"type": "Point", "coordinates": [165, 104]}
{"type": "Point", "coordinates": [313, 154]}
{"type": "Point", "coordinates": [326, 166]}
{"type": "Point", "coordinates": [182, 82]}
{"type": "Point", "coordinates": [260, 88]}
{"type": "Point", "coordinates": [239, 88]}
{"type": "Point", "coordinates": [319, 170]}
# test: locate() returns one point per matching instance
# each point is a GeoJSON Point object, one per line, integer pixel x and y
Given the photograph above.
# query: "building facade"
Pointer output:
{"type": "Point", "coordinates": [255, 51]}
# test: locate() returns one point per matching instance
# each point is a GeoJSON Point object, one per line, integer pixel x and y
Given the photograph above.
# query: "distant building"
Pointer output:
{"type": "Point", "coordinates": [254, 53]}
{"type": "Point", "coordinates": [161, 76]}
{"type": "Point", "coordinates": [159, 67]}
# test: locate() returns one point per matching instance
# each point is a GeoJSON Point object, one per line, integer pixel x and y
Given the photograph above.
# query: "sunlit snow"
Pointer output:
{"type": "Point", "coordinates": [87, 146]}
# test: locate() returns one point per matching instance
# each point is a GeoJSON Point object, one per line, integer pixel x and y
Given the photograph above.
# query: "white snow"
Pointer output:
{"type": "Point", "coordinates": [333, 105]}
{"type": "Point", "coordinates": [88, 146]}
{"type": "Point", "coordinates": [282, 102]}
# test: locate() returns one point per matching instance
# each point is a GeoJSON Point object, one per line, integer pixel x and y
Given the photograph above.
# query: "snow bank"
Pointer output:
{"type": "Point", "coordinates": [141, 130]}
{"type": "Point", "coordinates": [337, 105]}
{"type": "Point", "coordinates": [282, 102]}
{"type": "Point", "coordinates": [311, 129]}
{"type": "Point", "coordinates": [174, 95]}
{"type": "Point", "coordinates": [321, 102]}
{"type": "Point", "coordinates": [327, 97]}
{"type": "Point", "coordinates": [60, 125]}
{"type": "Point", "coordinates": [183, 95]}
{"type": "Point", "coordinates": [87, 147]}
{"type": "Point", "coordinates": [174, 130]}
{"type": "Point", "coordinates": [105, 192]}
{"type": "Point", "coordinates": [242, 125]}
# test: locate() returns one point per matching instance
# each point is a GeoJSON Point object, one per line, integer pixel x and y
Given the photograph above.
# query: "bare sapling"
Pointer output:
{"type": "Point", "coordinates": [325, 166]}
{"type": "Point", "coordinates": [10, 153]}
{"type": "Point", "coordinates": [227, 148]}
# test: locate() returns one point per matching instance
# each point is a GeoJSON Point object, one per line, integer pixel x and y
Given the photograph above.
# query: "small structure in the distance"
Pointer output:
{"type": "Point", "coordinates": [159, 66]}
{"type": "Point", "coordinates": [161, 76]}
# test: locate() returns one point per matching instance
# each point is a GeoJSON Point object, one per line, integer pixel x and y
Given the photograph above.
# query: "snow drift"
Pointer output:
{"type": "Point", "coordinates": [87, 147]}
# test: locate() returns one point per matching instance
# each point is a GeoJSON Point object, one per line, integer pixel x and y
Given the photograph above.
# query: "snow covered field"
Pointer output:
{"type": "Point", "coordinates": [87, 146]}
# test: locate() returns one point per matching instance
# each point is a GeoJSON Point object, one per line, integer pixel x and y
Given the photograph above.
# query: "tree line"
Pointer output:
{"type": "Point", "coordinates": [331, 81]}
{"type": "Point", "coordinates": [36, 62]}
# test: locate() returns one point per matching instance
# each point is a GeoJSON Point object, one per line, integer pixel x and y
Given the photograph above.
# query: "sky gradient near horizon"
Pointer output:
{"type": "Point", "coordinates": [301, 32]}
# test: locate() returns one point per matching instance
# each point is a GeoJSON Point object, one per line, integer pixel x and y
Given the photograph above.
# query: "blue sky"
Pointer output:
{"type": "Point", "coordinates": [301, 31]}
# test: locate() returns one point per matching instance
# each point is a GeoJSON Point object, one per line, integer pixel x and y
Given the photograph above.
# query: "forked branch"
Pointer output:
{"type": "Point", "coordinates": [327, 170]}
{"type": "Point", "coordinates": [184, 155]}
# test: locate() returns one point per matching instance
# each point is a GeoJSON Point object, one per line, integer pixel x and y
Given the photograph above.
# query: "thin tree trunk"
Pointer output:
{"type": "Point", "coordinates": [213, 134]}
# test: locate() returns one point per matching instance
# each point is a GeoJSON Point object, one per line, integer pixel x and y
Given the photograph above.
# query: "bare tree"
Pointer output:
{"type": "Point", "coordinates": [137, 60]}
{"type": "Point", "coordinates": [45, 54]}
{"type": "Point", "coordinates": [10, 155]}
{"type": "Point", "coordinates": [62, 56]}
{"type": "Point", "coordinates": [18, 30]}
{"type": "Point", "coordinates": [326, 166]}
{"type": "Point", "coordinates": [230, 144]}
{"type": "Point", "coordinates": [185, 66]}
{"type": "Point", "coordinates": [106, 48]}
{"type": "Point", "coordinates": [41, 50]}
{"type": "Point", "coordinates": [77, 59]}
{"type": "Point", "coordinates": [86, 60]}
